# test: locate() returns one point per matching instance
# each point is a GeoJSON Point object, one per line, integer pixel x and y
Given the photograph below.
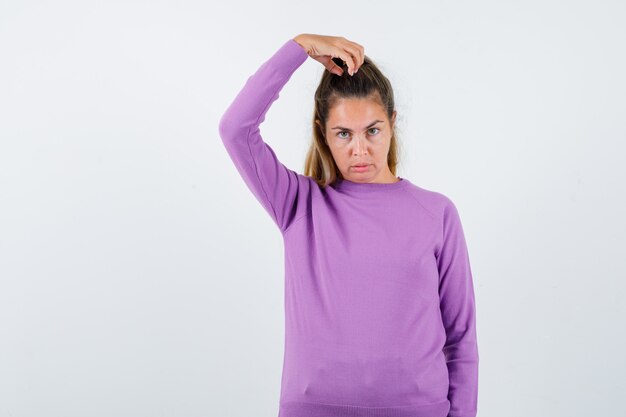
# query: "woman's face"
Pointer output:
{"type": "Point", "coordinates": [358, 132]}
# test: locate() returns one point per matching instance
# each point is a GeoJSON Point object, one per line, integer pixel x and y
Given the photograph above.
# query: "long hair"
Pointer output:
{"type": "Point", "coordinates": [368, 83]}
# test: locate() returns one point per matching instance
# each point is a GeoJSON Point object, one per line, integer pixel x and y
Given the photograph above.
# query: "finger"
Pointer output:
{"type": "Point", "coordinates": [329, 64]}
{"type": "Point", "coordinates": [355, 53]}
{"type": "Point", "coordinates": [346, 57]}
{"type": "Point", "coordinates": [360, 53]}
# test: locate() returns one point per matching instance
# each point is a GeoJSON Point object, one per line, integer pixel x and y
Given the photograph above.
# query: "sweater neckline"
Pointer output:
{"type": "Point", "coordinates": [344, 184]}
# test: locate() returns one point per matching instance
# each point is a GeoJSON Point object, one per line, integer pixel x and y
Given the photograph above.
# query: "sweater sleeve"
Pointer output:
{"type": "Point", "coordinates": [274, 185]}
{"type": "Point", "coordinates": [456, 300]}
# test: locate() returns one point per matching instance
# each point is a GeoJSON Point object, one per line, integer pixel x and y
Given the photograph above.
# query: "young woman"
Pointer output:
{"type": "Point", "coordinates": [379, 301]}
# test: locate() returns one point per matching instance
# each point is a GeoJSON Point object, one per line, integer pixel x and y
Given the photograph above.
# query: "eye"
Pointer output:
{"type": "Point", "coordinates": [369, 130]}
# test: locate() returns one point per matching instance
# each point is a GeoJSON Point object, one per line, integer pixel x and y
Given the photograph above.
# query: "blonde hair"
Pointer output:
{"type": "Point", "coordinates": [368, 83]}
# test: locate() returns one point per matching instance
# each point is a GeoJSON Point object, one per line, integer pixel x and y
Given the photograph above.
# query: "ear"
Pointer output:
{"type": "Point", "coordinates": [393, 119]}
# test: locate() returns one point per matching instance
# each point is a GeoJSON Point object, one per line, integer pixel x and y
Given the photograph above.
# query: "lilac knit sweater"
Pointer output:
{"type": "Point", "coordinates": [379, 298]}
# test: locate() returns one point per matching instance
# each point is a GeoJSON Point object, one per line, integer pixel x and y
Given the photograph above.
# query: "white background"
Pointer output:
{"type": "Point", "coordinates": [140, 277]}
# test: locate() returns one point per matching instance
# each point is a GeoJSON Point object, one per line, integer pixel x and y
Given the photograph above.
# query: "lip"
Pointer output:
{"type": "Point", "coordinates": [361, 168]}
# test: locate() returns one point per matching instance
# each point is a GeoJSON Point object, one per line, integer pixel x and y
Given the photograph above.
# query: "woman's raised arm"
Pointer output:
{"type": "Point", "coordinates": [272, 183]}
{"type": "Point", "coordinates": [277, 187]}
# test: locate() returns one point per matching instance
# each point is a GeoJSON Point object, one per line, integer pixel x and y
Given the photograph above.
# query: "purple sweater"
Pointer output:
{"type": "Point", "coordinates": [379, 299]}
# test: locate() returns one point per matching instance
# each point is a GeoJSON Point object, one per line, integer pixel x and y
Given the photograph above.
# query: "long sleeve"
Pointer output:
{"type": "Point", "coordinates": [274, 185]}
{"type": "Point", "coordinates": [457, 303]}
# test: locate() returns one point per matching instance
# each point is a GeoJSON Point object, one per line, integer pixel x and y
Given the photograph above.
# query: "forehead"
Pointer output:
{"type": "Point", "coordinates": [356, 110]}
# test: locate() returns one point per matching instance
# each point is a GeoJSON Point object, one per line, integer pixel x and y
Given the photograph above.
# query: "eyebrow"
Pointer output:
{"type": "Point", "coordinates": [367, 127]}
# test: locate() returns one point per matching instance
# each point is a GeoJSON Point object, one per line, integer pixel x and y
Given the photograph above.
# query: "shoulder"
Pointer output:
{"type": "Point", "coordinates": [435, 202]}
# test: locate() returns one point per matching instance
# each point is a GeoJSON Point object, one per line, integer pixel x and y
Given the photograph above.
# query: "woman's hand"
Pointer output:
{"type": "Point", "coordinates": [325, 48]}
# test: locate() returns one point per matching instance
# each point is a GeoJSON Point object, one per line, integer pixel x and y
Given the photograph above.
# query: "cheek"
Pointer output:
{"type": "Point", "coordinates": [340, 159]}
{"type": "Point", "coordinates": [343, 161]}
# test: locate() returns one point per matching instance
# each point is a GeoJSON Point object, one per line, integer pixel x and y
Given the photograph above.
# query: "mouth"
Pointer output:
{"type": "Point", "coordinates": [361, 168]}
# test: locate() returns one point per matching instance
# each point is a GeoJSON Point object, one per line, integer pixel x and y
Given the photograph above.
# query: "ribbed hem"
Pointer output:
{"type": "Point", "coordinates": [307, 409]}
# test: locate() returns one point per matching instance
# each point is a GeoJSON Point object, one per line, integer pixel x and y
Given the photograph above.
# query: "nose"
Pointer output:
{"type": "Point", "coordinates": [360, 147]}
